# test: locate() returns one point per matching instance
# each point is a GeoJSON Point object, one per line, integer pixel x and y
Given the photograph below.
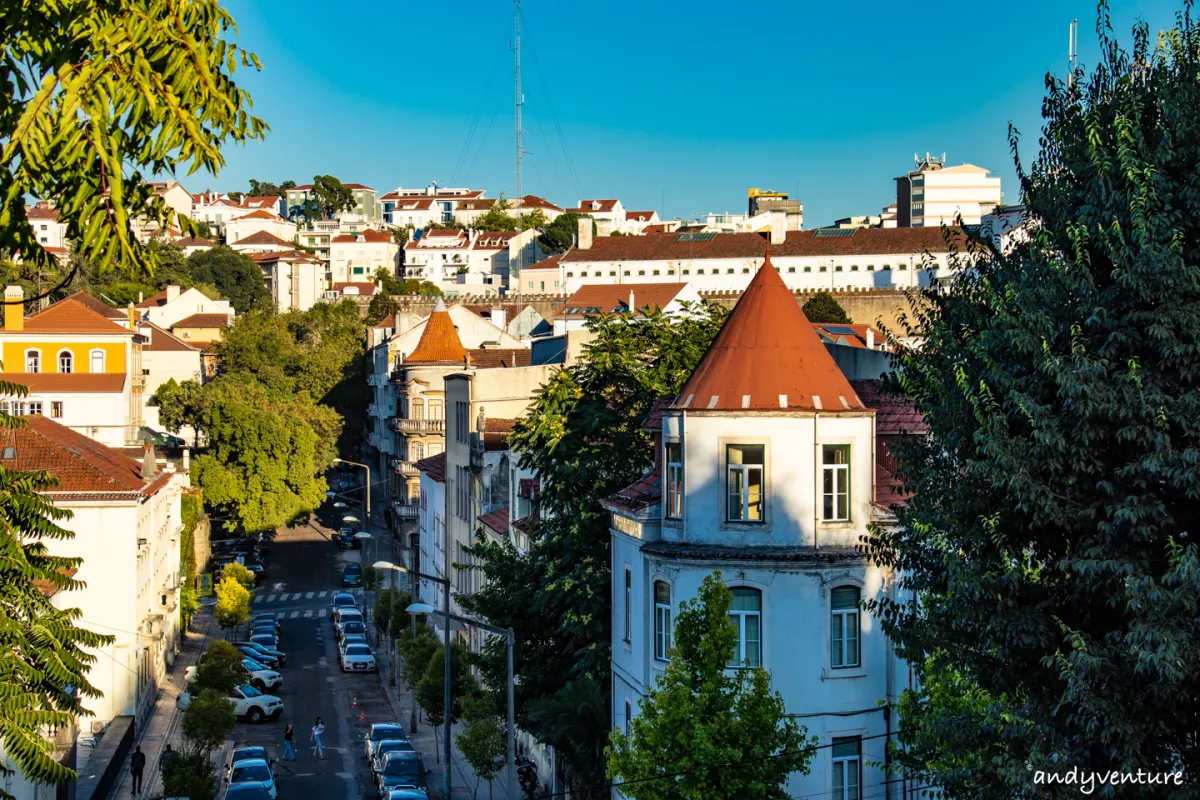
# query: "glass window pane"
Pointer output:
{"type": "Point", "coordinates": [673, 451]}
{"type": "Point", "coordinates": [843, 505]}
{"type": "Point", "coordinates": [662, 593]}
{"type": "Point", "coordinates": [839, 780]}
{"type": "Point", "coordinates": [852, 640]}
{"type": "Point", "coordinates": [835, 454]}
{"type": "Point", "coordinates": [835, 650]}
{"type": "Point", "coordinates": [753, 640]}
{"type": "Point", "coordinates": [744, 454]}
{"type": "Point", "coordinates": [735, 494]}
{"type": "Point", "coordinates": [745, 599]}
{"type": "Point", "coordinates": [828, 510]}
{"type": "Point", "coordinates": [754, 493]}
{"type": "Point", "coordinates": [844, 597]}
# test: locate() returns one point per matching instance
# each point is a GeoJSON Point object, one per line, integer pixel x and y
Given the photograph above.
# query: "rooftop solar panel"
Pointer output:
{"type": "Point", "coordinates": [841, 330]}
{"type": "Point", "coordinates": [833, 233]}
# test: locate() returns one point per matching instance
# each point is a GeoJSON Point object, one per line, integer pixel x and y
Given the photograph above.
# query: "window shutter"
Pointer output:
{"type": "Point", "coordinates": [847, 747]}
{"type": "Point", "coordinates": [845, 597]}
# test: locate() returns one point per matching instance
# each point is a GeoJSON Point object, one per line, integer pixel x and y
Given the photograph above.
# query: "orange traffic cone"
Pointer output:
{"type": "Point", "coordinates": [355, 703]}
{"type": "Point", "coordinates": [362, 715]}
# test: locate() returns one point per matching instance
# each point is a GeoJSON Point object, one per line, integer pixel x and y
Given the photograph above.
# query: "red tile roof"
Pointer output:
{"type": "Point", "coordinates": [666, 246]}
{"type": "Point", "coordinates": [497, 357]}
{"type": "Point", "coordinates": [194, 241]}
{"type": "Point", "coordinates": [41, 211]}
{"type": "Point", "coordinates": [80, 464]}
{"type": "Point", "coordinates": [364, 288]}
{"type": "Point", "coordinates": [203, 321]}
{"type": "Point", "coordinates": [533, 201]}
{"type": "Point", "coordinates": [368, 235]}
{"type": "Point", "coordinates": [439, 342]}
{"type": "Point", "coordinates": [438, 232]}
{"type": "Point", "coordinates": [162, 340]}
{"type": "Point", "coordinates": [643, 493]}
{"type": "Point", "coordinates": [550, 263]}
{"type": "Point", "coordinates": [593, 298]}
{"type": "Point", "coordinates": [482, 204]}
{"type": "Point", "coordinates": [263, 237]}
{"type": "Point", "coordinates": [493, 240]}
{"type": "Point", "coordinates": [857, 339]}
{"type": "Point", "coordinates": [357, 186]}
{"type": "Point", "coordinates": [410, 203]}
{"type": "Point", "coordinates": [99, 306]}
{"type": "Point", "coordinates": [496, 432]}
{"type": "Point", "coordinates": [387, 322]}
{"type": "Point", "coordinates": [434, 467]}
{"type": "Point", "coordinates": [604, 205]}
{"type": "Point", "coordinates": [68, 383]}
{"type": "Point", "coordinates": [894, 414]}
{"type": "Point", "coordinates": [72, 316]}
{"type": "Point", "coordinates": [658, 227]}
{"type": "Point", "coordinates": [767, 357]}
{"type": "Point", "coordinates": [261, 213]}
{"type": "Point", "coordinates": [496, 520]}
{"type": "Point", "coordinates": [155, 301]}
{"type": "Point", "coordinates": [284, 255]}
{"type": "Point", "coordinates": [639, 216]}
{"type": "Point", "coordinates": [262, 201]}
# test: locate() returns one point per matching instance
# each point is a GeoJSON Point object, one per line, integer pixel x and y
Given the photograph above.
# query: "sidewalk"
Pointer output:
{"type": "Point", "coordinates": [164, 724]}
{"type": "Point", "coordinates": [430, 745]}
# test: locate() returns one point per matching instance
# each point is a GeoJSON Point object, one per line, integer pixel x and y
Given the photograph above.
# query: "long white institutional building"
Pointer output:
{"type": "Point", "coordinates": [832, 259]}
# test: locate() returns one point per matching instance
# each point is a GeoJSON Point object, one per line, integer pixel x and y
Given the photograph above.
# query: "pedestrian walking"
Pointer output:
{"type": "Point", "coordinates": [164, 762]}
{"type": "Point", "coordinates": [137, 763]}
{"type": "Point", "coordinates": [289, 738]}
{"type": "Point", "coordinates": [317, 730]}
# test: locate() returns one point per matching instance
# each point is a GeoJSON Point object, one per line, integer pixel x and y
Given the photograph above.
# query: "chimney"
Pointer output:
{"type": "Point", "coordinates": [870, 338]}
{"type": "Point", "coordinates": [172, 292]}
{"type": "Point", "coordinates": [149, 463]}
{"type": "Point", "coordinates": [632, 307]}
{"type": "Point", "coordinates": [778, 226]}
{"type": "Point", "coordinates": [499, 317]}
{"type": "Point", "coordinates": [584, 239]}
{"type": "Point", "coordinates": [139, 297]}
{"type": "Point", "coordinates": [186, 459]}
{"type": "Point", "coordinates": [14, 308]}
{"type": "Point", "coordinates": [133, 318]}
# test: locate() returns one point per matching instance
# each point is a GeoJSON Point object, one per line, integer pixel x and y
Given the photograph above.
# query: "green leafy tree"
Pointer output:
{"type": "Point", "coordinates": [401, 235]}
{"type": "Point", "coordinates": [240, 574]}
{"type": "Point", "coordinates": [583, 436]}
{"type": "Point", "coordinates": [233, 604]}
{"type": "Point", "coordinates": [560, 235]}
{"type": "Point", "coordinates": [125, 292]}
{"type": "Point", "coordinates": [534, 219]}
{"type": "Point", "coordinates": [720, 732]}
{"type": "Point", "coordinates": [190, 774]}
{"type": "Point", "coordinates": [431, 688]}
{"type": "Point", "coordinates": [483, 741]}
{"type": "Point", "coordinates": [1051, 537]}
{"type": "Point", "coordinates": [268, 189]}
{"type": "Point", "coordinates": [238, 278]}
{"type": "Point", "coordinates": [416, 652]}
{"type": "Point", "coordinates": [209, 718]}
{"type": "Point", "coordinates": [180, 405]}
{"type": "Point", "coordinates": [822, 307]}
{"type": "Point", "coordinates": [330, 196]}
{"type": "Point", "coordinates": [236, 196]}
{"type": "Point", "coordinates": [400, 618]}
{"type": "Point", "coordinates": [221, 669]}
{"type": "Point", "coordinates": [380, 307]}
{"type": "Point", "coordinates": [496, 218]}
{"type": "Point", "coordinates": [92, 151]}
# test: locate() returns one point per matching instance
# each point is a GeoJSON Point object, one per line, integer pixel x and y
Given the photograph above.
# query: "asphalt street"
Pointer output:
{"type": "Point", "coordinates": [304, 571]}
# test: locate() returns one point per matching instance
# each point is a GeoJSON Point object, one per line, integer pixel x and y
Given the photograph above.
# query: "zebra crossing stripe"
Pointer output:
{"type": "Point", "coordinates": [271, 599]}
{"type": "Point", "coordinates": [294, 615]}
{"type": "Point", "coordinates": [308, 613]}
{"type": "Point", "coordinates": [309, 596]}
{"type": "Point", "coordinates": [322, 594]}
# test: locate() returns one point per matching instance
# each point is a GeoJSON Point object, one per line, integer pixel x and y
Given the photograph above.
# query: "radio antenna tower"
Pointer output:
{"type": "Point", "coordinates": [518, 98]}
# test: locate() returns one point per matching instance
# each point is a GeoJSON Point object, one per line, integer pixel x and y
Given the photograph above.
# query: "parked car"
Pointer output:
{"type": "Point", "coordinates": [379, 732]}
{"type": "Point", "coordinates": [345, 541]}
{"type": "Point", "coordinates": [407, 793]}
{"type": "Point", "coordinates": [398, 769]}
{"type": "Point", "coordinates": [244, 753]}
{"type": "Point", "coordinates": [247, 791]}
{"type": "Point", "coordinates": [267, 661]}
{"type": "Point", "coordinates": [269, 640]}
{"type": "Point", "coordinates": [357, 658]}
{"type": "Point", "coordinates": [261, 678]}
{"type": "Point", "coordinates": [342, 600]}
{"type": "Point", "coordinates": [343, 619]}
{"type": "Point", "coordinates": [352, 575]}
{"type": "Point", "coordinates": [255, 771]}
{"type": "Point", "coordinates": [248, 703]}
{"type": "Point", "coordinates": [278, 655]}
{"type": "Point", "coordinates": [386, 746]}
{"type": "Point", "coordinates": [353, 626]}
{"type": "Point", "coordinates": [352, 638]}
{"type": "Point", "coordinates": [267, 616]}
{"type": "Point", "coordinates": [265, 627]}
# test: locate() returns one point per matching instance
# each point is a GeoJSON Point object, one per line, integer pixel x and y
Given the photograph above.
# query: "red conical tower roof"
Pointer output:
{"type": "Point", "coordinates": [439, 341]}
{"type": "Point", "coordinates": [767, 357]}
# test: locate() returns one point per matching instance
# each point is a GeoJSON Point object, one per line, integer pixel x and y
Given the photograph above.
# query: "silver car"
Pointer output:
{"type": "Point", "coordinates": [380, 731]}
{"type": "Point", "coordinates": [357, 658]}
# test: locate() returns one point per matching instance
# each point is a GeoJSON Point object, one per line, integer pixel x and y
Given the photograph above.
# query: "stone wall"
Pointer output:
{"type": "Point", "coordinates": [201, 547]}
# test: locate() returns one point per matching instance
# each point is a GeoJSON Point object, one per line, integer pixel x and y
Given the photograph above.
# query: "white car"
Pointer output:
{"type": "Point", "coordinates": [267, 680]}
{"type": "Point", "coordinates": [256, 772]}
{"type": "Point", "coordinates": [248, 703]}
{"type": "Point", "coordinates": [357, 658]}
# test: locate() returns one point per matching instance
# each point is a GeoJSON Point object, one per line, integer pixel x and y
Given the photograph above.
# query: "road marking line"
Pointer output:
{"type": "Point", "coordinates": [309, 596]}
{"type": "Point", "coordinates": [323, 612]}
{"type": "Point", "coordinates": [283, 597]}
{"type": "Point", "coordinates": [294, 615]}
{"type": "Point", "coordinates": [323, 594]}
{"type": "Point", "coordinates": [270, 599]}
{"type": "Point", "coordinates": [308, 613]}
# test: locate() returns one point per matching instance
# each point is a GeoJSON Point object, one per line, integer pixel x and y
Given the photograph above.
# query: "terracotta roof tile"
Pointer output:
{"type": "Point", "coordinates": [639, 216]}
{"type": "Point", "coordinates": [496, 520]}
{"type": "Point", "coordinates": [195, 241]}
{"type": "Point", "coordinates": [643, 493]}
{"type": "Point", "coordinates": [67, 382]}
{"type": "Point", "coordinates": [368, 235]}
{"type": "Point", "coordinates": [767, 357]}
{"type": "Point", "coordinates": [493, 240]}
{"type": "Point", "coordinates": [439, 341]}
{"type": "Point", "coordinates": [533, 201]}
{"type": "Point", "coordinates": [894, 414]}
{"type": "Point", "coordinates": [263, 237]}
{"type": "Point", "coordinates": [497, 357]}
{"type": "Point", "coordinates": [72, 316]}
{"type": "Point", "coordinates": [434, 467]}
{"type": "Point", "coordinates": [155, 301]}
{"type": "Point", "coordinates": [163, 341]}
{"type": "Point", "coordinates": [41, 210]}
{"type": "Point", "coordinates": [203, 321]}
{"type": "Point", "coordinates": [363, 288]}
{"type": "Point", "coordinates": [666, 246]}
{"type": "Point", "coordinates": [604, 205]}
{"type": "Point", "coordinates": [80, 464]}
{"type": "Point", "coordinates": [499, 425]}
{"type": "Point", "coordinates": [282, 255]}
{"type": "Point", "coordinates": [99, 306]}
{"type": "Point", "coordinates": [550, 263]}
{"type": "Point", "coordinates": [594, 298]}
{"type": "Point", "coordinates": [261, 213]}
{"type": "Point", "coordinates": [387, 322]}
{"type": "Point", "coordinates": [476, 205]}
{"type": "Point", "coordinates": [858, 338]}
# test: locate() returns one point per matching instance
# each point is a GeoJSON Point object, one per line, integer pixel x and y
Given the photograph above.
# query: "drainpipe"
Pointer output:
{"type": "Point", "coordinates": [816, 482]}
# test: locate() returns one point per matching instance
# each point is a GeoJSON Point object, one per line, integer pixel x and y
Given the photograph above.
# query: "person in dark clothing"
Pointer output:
{"type": "Point", "coordinates": [164, 761]}
{"type": "Point", "coordinates": [137, 763]}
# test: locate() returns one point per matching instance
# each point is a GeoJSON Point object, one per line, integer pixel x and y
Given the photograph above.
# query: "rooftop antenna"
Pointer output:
{"type": "Point", "coordinates": [1073, 52]}
{"type": "Point", "coordinates": [518, 98]}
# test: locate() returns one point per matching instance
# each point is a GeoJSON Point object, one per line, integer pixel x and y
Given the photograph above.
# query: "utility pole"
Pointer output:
{"type": "Point", "coordinates": [518, 98]}
{"type": "Point", "coordinates": [1073, 52]}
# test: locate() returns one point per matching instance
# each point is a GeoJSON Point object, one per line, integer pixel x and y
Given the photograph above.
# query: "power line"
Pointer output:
{"type": "Point", "coordinates": [554, 114]}
{"type": "Point", "coordinates": [466, 148]}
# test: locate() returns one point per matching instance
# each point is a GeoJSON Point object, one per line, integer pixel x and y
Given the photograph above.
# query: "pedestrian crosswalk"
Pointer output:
{"type": "Point", "coordinates": [307, 613]}
{"type": "Point", "coordinates": [291, 597]}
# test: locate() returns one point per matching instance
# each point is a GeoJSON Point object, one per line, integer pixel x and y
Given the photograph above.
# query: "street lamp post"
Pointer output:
{"type": "Point", "coordinates": [446, 669]}
{"type": "Point", "coordinates": [368, 469]}
{"type": "Point", "coordinates": [511, 726]}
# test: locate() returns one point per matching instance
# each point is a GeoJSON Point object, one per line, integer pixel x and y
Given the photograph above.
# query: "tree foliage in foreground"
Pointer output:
{"type": "Point", "coordinates": [1052, 535]}
{"type": "Point", "coordinates": [483, 741]}
{"type": "Point", "coordinates": [583, 435]}
{"type": "Point", "coordinates": [431, 689]}
{"type": "Point", "coordinates": [723, 732]}
{"type": "Point", "coordinates": [221, 668]}
{"type": "Point", "coordinates": [233, 604]}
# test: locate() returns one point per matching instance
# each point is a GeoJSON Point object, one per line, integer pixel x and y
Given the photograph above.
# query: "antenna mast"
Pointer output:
{"type": "Point", "coordinates": [1072, 52]}
{"type": "Point", "coordinates": [518, 98]}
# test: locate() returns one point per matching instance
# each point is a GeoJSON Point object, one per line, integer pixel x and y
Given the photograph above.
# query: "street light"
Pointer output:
{"type": "Point", "coordinates": [507, 633]}
{"type": "Point", "coordinates": [368, 469]}
{"type": "Point", "coordinates": [445, 670]}
{"type": "Point", "coordinates": [340, 504]}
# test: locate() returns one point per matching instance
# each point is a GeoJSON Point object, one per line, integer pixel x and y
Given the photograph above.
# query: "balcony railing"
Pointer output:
{"type": "Point", "coordinates": [418, 425]}
{"type": "Point", "coordinates": [406, 510]}
{"type": "Point", "coordinates": [404, 468]}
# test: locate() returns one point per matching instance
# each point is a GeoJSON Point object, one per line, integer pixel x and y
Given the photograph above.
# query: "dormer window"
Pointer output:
{"type": "Point", "coordinates": [744, 465]}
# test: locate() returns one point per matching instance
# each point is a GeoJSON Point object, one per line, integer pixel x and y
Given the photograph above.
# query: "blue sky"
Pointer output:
{"type": "Point", "coordinates": [673, 107]}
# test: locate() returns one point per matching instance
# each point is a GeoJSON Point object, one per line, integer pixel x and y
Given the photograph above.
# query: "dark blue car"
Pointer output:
{"type": "Point", "coordinates": [352, 575]}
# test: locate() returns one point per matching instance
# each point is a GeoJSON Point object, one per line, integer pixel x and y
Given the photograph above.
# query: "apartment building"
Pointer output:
{"type": "Point", "coordinates": [294, 279]}
{"type": "Point", "coordinates": [259, 220]}
{"type": "Point", "coordinates": [357, 256]}
{"type": "Point", "coordinates": [471, 262]}
{"type": "Point", "coordinates": [366, 208]}
{"type": "Point", "coordinates": [932, 194]}
{"type": "Point", "coordinates": [174, 303]}
{"type": "Point", "coordinates": [444, 202]}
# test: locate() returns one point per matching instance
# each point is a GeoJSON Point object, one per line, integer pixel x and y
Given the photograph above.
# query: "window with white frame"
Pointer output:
{"type": "Point", "coordinates": [847, 767]}
{"type": "Point", "coordinates": [66, 361]}
{"type": "Point", "coordinates": [418, 409]}
{"type": "Point", "coordinates": [35, 406]}
{"type": "Point", "coordinates": [56, 409]}
{"type": "Point", "coordinates": [97, 361]}
{"type": "Point", "coordinates": [844, 628]}
{"type": "Point", "coordinates": [435, 409]}
{"type": "Point", "coordinates": [33, 361]}
{"type": "Point", "coordinates": [746, 611]}
{"type": "Point", "coordinates": [744, 482]}
{"type": "Point", "coordinates": [628, 637]}
{"type": "Point", "coordinates": [835, 469]}
{"type": "Point", "coordinates": [18, 408]}
{"type": "Point", "coordinates": [418, 451]}
{"type": "Point", "coordinates": [674, 496]}
{"type": "Point", "coordinates": [662, 620]}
